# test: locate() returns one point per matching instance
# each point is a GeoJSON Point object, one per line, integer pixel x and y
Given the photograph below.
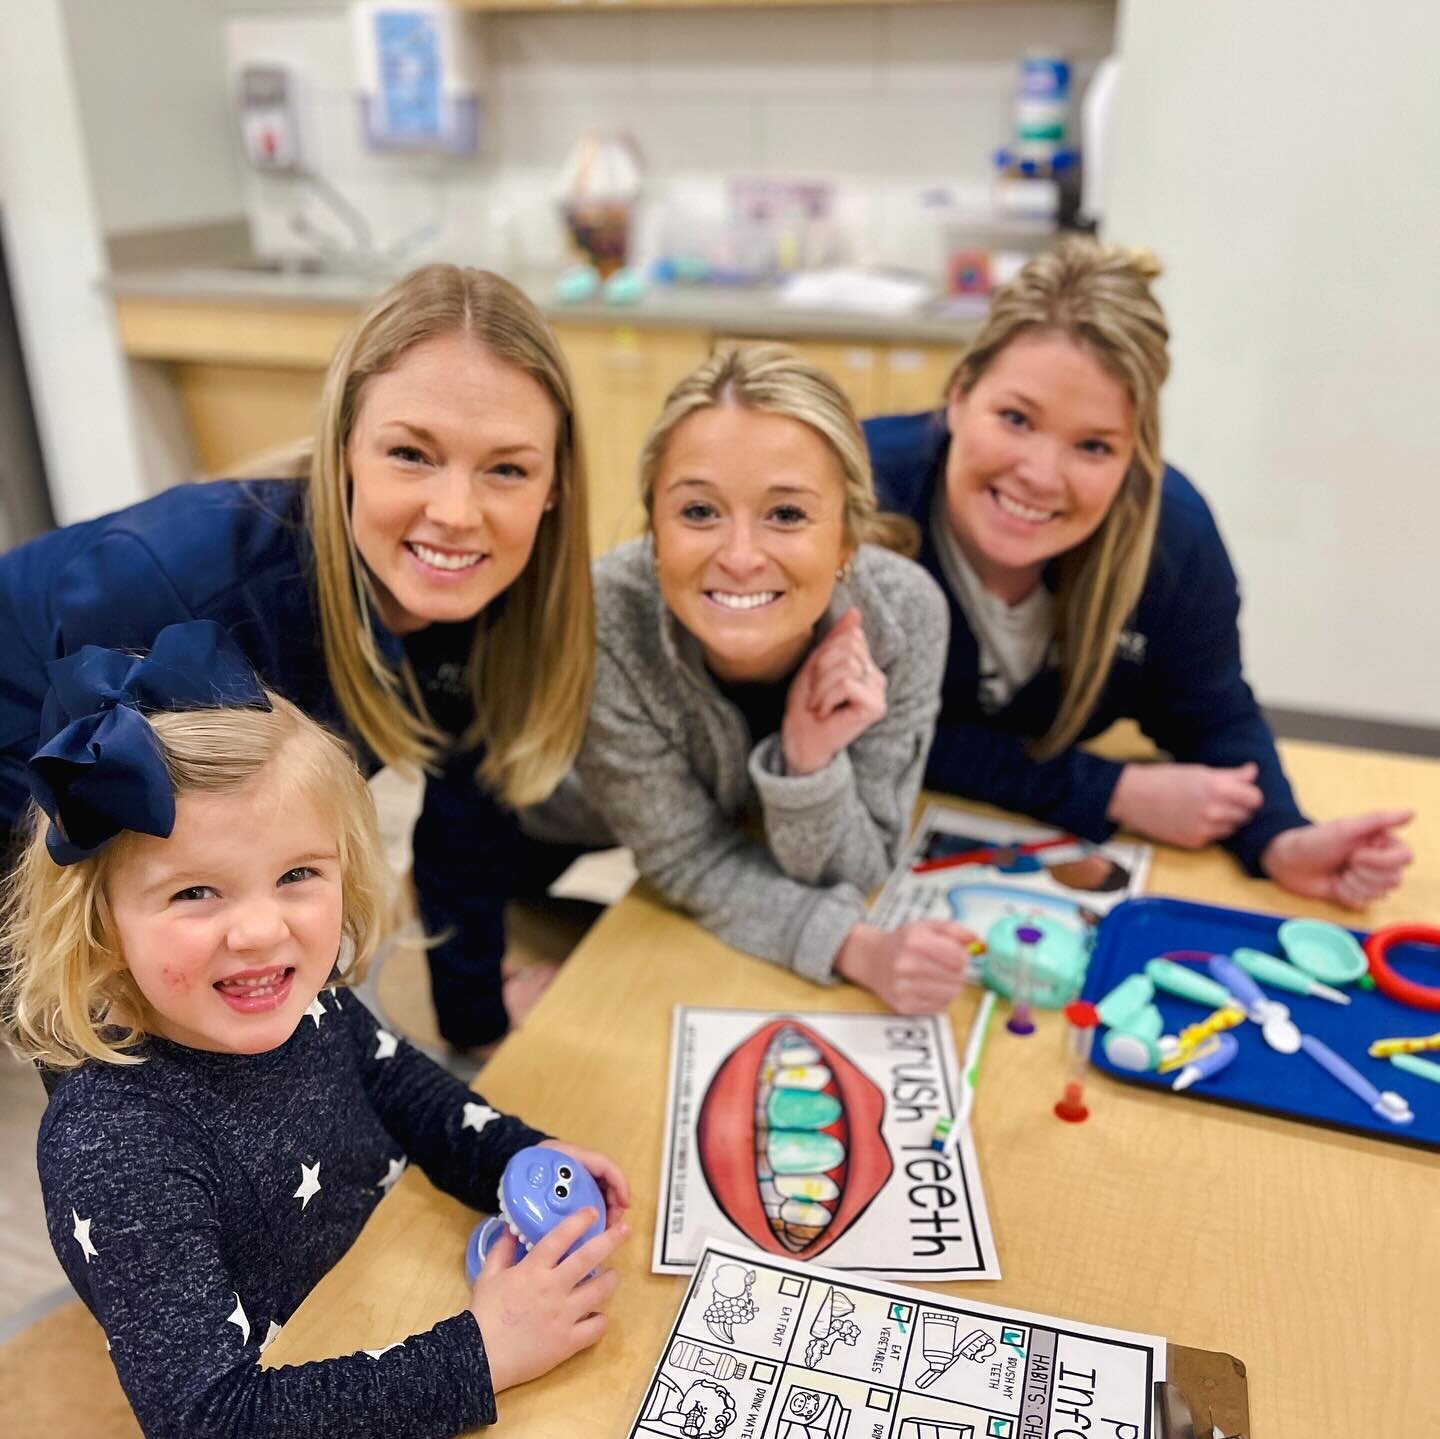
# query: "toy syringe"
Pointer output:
{"type": "Point", "coordinates": [1020, 1022]}
{"type": "Point", "coordinates": [1081, 1019]}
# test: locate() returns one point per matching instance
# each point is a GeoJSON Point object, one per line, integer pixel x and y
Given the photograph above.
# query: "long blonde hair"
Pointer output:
{"type": "Point", "coordinates": [532, 660]}
{"type": "Point", "coordinates": [64, 975]}
{"type": "Point", "coordinates": [776, 380]}
{"type": "Point", "coordinates": [1099, 297]}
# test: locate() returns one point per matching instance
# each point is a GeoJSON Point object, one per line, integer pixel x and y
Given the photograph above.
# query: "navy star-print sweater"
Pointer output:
{"type": "Point", "coordinates": [195, 1199]}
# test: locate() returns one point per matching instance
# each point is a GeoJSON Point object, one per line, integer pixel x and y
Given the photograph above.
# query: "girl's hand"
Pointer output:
{"type": "Point", "coordinates": [1351, 861]}
{"type": "Point", "coordinates": [536, 1313]}
{"type": "Point", "coordinates": [613, 1184]}
{"type": "Point", "coordinates": [837, 695]}
{"type": "Point", "coordinates": [916, 969]}
{"type": "Point", "coordinates": [1190, 805]}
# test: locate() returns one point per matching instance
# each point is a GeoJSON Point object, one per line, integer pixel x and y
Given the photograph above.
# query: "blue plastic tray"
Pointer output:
{"type": "Point", "coordinates": [1292, 1085]}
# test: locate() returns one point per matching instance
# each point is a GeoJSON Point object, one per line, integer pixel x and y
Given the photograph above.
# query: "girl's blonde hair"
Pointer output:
{"type": "Point", "coordinates": [532, 660]}
{"type": "Point", "coordinates": [64, 975]}
{"type": "Point", "coordinates": [1099, 297]}
{"type": "Point", "coordinates": [776, 380]}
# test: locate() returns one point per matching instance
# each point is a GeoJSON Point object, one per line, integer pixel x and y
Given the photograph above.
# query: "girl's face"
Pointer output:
{"type": "Point", "coordinates": [749, 532]}
{"type": "Point", "coordinates": [230, 927]}
{"type": "Point", "coordinates": [1039, 449]}
{"type": "Point", "coordinates": [452, 462]}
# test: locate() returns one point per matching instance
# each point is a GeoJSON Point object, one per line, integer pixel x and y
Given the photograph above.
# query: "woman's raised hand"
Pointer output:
{"type": "Point", "coordinates": [836, 695]}
{"type": "Point", "coordinates": [1351, 861]}
{"type": "Point", "coordinates": [1190, 805]}
{"type": "Point", "coordinates": [916, 969]}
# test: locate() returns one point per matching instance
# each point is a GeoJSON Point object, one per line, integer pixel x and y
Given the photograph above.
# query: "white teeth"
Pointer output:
{"type": "Point", "coordinates": [744, 602]}
{"type": "Point", "coordinates": [256, 985]}
{"type": "Point", "coordinates": [442, 561]}
{"type": "Point", "coordinates": [1014, 507]}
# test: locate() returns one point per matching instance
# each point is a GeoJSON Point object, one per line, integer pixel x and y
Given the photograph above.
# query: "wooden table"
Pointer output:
{"type": "Point", "coordinates": [1313, 1256]}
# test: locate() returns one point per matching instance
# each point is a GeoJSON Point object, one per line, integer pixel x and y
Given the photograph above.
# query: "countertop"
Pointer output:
{"type": "Point", "coordinates": [726, 310]}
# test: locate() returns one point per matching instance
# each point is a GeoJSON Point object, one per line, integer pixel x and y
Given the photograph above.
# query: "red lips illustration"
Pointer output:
{"type": "Point", "coordinates": [789, 1139]}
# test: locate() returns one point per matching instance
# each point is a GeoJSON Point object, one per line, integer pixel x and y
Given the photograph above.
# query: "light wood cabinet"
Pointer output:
{"type": "Point", "coordinates": [880, 379]}
{"type": "Point", "coordinates": [249, 378]}
{"type": "Point", "coordinates": [622, 375]}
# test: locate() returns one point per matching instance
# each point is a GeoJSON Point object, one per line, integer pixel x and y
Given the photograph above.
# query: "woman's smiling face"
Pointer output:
{"type": "Point", "coordinates": [1039, 448]}
{"type": "Point", "coordinates": [748, 515]}
{"type": "Point", "coordinates": [451, 460]}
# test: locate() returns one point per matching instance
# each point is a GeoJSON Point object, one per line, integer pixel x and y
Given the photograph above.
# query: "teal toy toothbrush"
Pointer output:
{"type": "Point", "coordinates": [1280, 974]}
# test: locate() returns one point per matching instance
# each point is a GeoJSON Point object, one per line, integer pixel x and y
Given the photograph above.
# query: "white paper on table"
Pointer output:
{"type": "Point", "coordinates": [901, 1211]}
{"type": "Point", "coordinates": [768, 1348]}
{"type": "Point", "coordinates": [1044, 874]}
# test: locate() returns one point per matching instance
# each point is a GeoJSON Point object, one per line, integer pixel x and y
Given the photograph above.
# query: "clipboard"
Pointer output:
{"type": "Point", "coordinates": [1215, 1387]}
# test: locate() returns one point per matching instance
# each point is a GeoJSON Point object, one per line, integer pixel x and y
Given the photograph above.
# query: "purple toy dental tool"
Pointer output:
{"type": "Point", "coordinates": [1217, 1052]}
{"type": "Point", "coordinates": [1388, 1105]}
{"type": "Point", "coordinates": [539, 1189]}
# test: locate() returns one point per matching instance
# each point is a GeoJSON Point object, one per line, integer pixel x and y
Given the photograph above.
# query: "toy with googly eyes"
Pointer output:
{"type": "Point", "coordinates": [539, 1189]}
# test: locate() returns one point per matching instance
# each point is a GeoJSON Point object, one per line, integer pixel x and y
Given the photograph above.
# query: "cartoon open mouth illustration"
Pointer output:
{"type": "Point", "coordinates": [789, 1139]}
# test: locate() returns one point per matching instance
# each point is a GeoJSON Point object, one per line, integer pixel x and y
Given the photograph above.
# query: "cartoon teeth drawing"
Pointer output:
{"type": "Point", "coordinates": [789, 1140]}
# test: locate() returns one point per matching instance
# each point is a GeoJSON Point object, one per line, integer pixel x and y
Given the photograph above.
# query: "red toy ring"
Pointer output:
{"type": "Point", "coordinates": [1407, 991]}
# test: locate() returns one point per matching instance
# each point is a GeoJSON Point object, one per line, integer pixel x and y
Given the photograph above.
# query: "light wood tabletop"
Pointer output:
{"type": "Point", "coordinates": [1311, 1255]}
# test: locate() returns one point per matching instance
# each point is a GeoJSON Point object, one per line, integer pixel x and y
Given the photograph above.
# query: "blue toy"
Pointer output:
{"type": "Point", "coordinates": [539, 1189]}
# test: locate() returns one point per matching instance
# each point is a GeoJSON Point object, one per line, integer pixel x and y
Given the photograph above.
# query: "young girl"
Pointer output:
{"type": "Point", "coordinates": [203, 883]}
{"type": "Point", "coordinates": [767, 681]}
{"type": "Point", "coordinates": [446, 475]}
{"type": "Point", "coordinates": [1087, 583]}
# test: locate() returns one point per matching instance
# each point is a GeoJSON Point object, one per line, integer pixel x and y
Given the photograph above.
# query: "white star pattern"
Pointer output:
{"type": "Point", "coordinates": [316, 1011]}
{"type": "Point", "coordinates": [82, 1236]}
{"type": "Point", "coordinates": [385, 1044]}
{"type": "Point", "coordinates": [271, 1335]}
{"type": "Point", "coordinates": [238, 1319]}
{"type": "Point", "coordinates": [397, 1168]}
{"type": "Point", "coordinates": [309, 1183]}
{"type": "Point", "coordinates": [376, 1353]}
{"type": "Point", "coordinates": [477, 1116]}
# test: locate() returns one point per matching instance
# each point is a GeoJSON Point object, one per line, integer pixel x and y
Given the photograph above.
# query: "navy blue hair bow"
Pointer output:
{"type": "Point", "coordinates": [100, 768]}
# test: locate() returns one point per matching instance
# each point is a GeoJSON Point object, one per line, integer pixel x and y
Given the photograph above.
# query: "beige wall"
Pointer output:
{"type": "Point", "coordinates": [1281, 159]}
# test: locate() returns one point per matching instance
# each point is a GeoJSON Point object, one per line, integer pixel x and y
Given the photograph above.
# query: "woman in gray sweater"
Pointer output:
{"type": "Point", "coordinates": [768, 679]}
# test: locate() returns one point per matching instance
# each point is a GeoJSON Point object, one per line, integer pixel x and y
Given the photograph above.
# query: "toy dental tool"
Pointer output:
{"type": "Point", "coordinates": [1081, 1020]}
{"type": "Point", "coordinates": [1185, 982]}
{"type": "Point", "coordinates": [1125, 1001]}
{"type": "Point", "coordinates": [1420, 1068]}
{"type": "Point", "coordinates": [1388, 1105]}
{"type": "Point", "coordinates": [1190, 1039]}
{"type": "Point", "coordinates": [539, 1189]}
{"type": "Point", "coordinates": [1276, 972]}
{"type": "Point", "coordinates": [1322, 949]}
{"type": "Point", "coordinates": [1219, 1051]}
{"type": "Point", "coordinates": [1385, 1048]}
{"type": "Point", "coordinates": [1026, 938]}
{"type": "Point", "coordinates": [1276, 1026]}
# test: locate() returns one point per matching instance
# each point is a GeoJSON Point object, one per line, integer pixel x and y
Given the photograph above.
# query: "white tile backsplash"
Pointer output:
{"type": "Point", "coordinates": [762, 52]}
{"type": "Point", "coordinates": [884, 100]}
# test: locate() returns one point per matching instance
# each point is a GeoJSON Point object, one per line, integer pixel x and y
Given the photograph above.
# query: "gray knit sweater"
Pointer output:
{"type": "Point", "coordinates": [673, 769]}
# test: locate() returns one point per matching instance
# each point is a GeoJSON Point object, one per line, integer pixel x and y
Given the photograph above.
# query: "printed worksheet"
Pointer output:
{"type": "Point", "coordinates": [979, 870]}
{"type": "Point", "coordinates": [769, 1348]}
{"type": "Point", "coordinates": [811, 1134]}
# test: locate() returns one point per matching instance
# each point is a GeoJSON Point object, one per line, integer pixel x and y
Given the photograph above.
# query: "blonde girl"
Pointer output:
{"type": "Point", "coordinates": [424, 589]}
{"type": "Point", "coordinates": [1087, 582]}
{"type": "Point", "coordinates": [767, 680]}
{"type": "Point", "coordinates": [203, 882]}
